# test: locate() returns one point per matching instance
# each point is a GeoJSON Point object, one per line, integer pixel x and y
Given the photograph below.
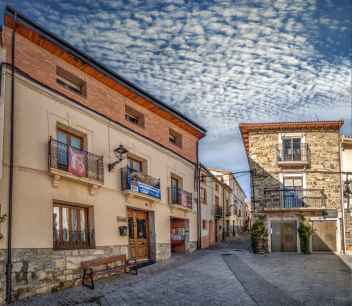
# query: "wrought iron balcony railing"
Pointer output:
{"type": "Point", "coordinates": [291, 198]}
{"type": "Point", "coordinates": [139, 182]}
{"type": "Point", "coordinates": [68, 240]}
{"type": "Point", "coordinates": [218, 211]}
{"type": "Point", "coordinates": [178, 196]}
{"type": "Point", "coordinates": [294, 155]}
{"type": "Point", "coordinates": [77, 162]}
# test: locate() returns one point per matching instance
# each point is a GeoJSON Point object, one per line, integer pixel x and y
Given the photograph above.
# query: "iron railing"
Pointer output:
{"type": "Point", "coordinates": [178, 196]}
{"type": "Point", "coordinates": [218, 211]}
{"type": "Point", "coordinates": [296, 154]}
{"type": "Point", "coordinates": [77, 162]}
{"type": "Point", "coordinates": [294, 198]}
{"type": "Point", "coordinates": [68, 240]}
{"type": "Point", "coordinates": [139, 182]}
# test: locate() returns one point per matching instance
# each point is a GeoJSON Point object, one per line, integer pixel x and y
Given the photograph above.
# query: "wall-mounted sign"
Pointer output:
{"type": "Point", "coordinates": [137, 186]}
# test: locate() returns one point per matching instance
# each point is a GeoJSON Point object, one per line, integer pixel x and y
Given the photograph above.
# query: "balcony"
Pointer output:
{"type": "Point", "coordinates": [293, 156]}
{"type": "Point", "coordinates": [67, 161]}
{"type": "Point", "coordinates": [140, 185]}
{"type": "Point", "coordinates": [218, 211]}
{"type": "Point", "coordinates": [294, 199]}
{"type": "Point", "coordinates": [180, 198]}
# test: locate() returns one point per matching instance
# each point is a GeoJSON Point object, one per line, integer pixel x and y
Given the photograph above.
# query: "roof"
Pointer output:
{"type": "Point", "coordinates": [51, 42]}
{"type": "Point", "coordinates": [245, 128]}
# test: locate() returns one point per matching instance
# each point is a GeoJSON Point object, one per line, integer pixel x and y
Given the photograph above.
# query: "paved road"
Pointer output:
{"type": "Point", "coordinates": [226, 275]}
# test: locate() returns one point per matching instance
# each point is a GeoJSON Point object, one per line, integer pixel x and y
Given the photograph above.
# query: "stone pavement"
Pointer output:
{"type": "Point", "coordinates": [225, 275]}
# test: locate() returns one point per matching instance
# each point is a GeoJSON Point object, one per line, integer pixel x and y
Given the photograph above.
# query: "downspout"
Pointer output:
{"type": "Point", "coordinates": [199, 213]}
{"type": "Point", "coordinates": [223, 211]}
{"type": "Point", "coordinates": [9, 221]}
{"type": "Point", "coordinates": [342, 226]}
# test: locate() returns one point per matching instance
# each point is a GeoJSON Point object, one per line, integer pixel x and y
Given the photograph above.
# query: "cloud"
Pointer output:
{"type": "Point", "coordinates": [219, 62]}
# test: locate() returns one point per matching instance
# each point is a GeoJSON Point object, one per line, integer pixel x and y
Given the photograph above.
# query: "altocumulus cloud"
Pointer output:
{"type": "Point", "coordinates": [219, 62]}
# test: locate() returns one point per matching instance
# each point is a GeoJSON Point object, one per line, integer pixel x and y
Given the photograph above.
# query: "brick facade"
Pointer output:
{"type": "Point", "coordinates": [41, 65]}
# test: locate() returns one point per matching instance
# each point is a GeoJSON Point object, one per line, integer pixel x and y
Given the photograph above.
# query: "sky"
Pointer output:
{"type": "Point", "coordinates": [219, 62]}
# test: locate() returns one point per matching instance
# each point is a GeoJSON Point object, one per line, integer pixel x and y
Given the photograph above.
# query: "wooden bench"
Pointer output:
{"type": "Point", "coordinates": [106, 265]}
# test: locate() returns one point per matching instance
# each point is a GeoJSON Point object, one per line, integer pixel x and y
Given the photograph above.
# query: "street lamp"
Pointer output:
{"type": "Point", "coordinates": [120, 151]}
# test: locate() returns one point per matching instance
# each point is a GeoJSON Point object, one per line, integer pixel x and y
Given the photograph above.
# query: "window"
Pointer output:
{"type": "Point", "coordinates": [134, 116]}
{"type": "Point", "coordinates": [71, 227]}
{"type": "Point", "coordinates": [71, 82]}
{"type": "Point", "coordinates": [291, 148]}
{"type": "Point", "coordinates": [175, 138]}
{"type": "Point", "coordinates": [204, 224]}
{"type": "Point", "coordinates": [66, 141]}
{"type": "Point", "coordinates": [203, 193]}
{"type": "Point", "coordinates": [135, 165]}
{"type": "Point", "coordinates": [216, 187]}
{"type": "Point", "coordinates": [203, 178]}
{"type": "Point", "coordinates": [176, 185]}
{"type": "Point", "coordinates": [217, 203]}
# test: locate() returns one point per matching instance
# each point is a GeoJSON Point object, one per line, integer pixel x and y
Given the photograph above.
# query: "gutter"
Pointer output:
{"type": "Point", "coordinates": [342, 228]}
{"type": "Point", "coordinates": [12, 136]}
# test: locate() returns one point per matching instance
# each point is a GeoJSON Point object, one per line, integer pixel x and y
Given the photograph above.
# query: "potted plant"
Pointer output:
{"type": "Point", "coordinates": [305, 231]}
{"type": "Point", "coordinates": [259, 236]}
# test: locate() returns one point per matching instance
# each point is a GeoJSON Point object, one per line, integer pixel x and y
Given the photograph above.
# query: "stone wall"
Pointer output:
{"type": "Point", "coordinates": [38, 271]}
{"type": "Point", "coordinates": [163, 251]}
{"type": "Point", "coordinates": [324, 159]}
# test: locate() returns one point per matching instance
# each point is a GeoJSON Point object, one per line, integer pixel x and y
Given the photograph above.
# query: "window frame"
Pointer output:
{"type": "Point", "coordinates": [177, 136]}
{"type": "Point", "coordinates": [71, 82]}
{"type": "Point", "coordinates": [70, 244]}
{"type": "Point", "coordinates": [134, 116]}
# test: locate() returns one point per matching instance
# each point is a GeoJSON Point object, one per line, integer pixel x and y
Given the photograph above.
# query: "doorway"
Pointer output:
{"type": "Point", "coordinates": [324, 236]}
{"type": "Point", "coordinates": [284, 236]}
{"type": "Point", "coordinates": [138, 230]}
{"type": "Point", "coordinates": [178, 234]}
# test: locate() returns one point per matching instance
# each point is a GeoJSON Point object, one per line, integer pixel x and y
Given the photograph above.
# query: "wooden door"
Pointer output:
{"type": "Point", "coordinates": [284, 236]}
{"type": "Point", "coordinates": [324, 236]}
{"type": "Point", "coordinates": [138, 234]}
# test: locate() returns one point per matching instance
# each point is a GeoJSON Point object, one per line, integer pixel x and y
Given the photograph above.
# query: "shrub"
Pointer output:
{"type": "Point", "coordinates": [305, 232]}
{"type": "Point", "coordinates": [259, 235]}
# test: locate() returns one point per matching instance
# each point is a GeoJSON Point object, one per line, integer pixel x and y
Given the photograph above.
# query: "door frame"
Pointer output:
{"type": "Point", "coordinates": [282, 219]}
{"type": "Point", "coordinates": [148, 229]}
{"type": "Point", "coordinates": [338, 233]}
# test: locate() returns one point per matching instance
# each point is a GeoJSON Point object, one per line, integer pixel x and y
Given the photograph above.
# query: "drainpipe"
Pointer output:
{"type": "Point", "coordinates": [223, 211]}
{"type": "Point", "coordinates": [199, 213]}
{"type": "Point", "coordinates": [342, 226]}
{"type": "Point", "coordinates": [9, 221]}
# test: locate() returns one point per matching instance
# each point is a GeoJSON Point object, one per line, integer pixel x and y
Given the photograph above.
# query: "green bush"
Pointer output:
{"type": "Point", "coordinates": [305, 232]}
{"type": "Point", "coordinates": [258, 233]}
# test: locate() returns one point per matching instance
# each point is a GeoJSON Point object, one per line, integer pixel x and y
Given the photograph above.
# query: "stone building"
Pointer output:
{"type": "Point", "coordinates": [100, 167]}
{"type": "Point", "coordinates": [295, 171]}
{"type": "Point", "coordinates": [346, 165]}
{"type": "Point", "coordinates": [207, 211]}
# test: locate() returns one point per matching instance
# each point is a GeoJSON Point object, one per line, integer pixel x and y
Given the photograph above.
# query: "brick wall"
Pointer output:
{"type": "Point", "coordinates": [41, 65]}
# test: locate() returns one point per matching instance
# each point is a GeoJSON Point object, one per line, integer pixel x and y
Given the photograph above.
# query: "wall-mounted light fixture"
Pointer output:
{"type": "Point", "coordinates": [120, 153]}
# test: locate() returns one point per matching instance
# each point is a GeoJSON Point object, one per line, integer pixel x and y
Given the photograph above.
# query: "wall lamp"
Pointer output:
{"type": "Point", "coordinates": [119, 153]}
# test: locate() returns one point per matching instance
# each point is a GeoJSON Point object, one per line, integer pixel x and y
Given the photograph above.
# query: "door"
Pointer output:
{"type": "Point", "coordinates": [293, 192]}
{"type": "Point", "coordinates": [283, 236]}
{"type": "Point", "coordinates": [138, 234]}
{"type": "Point", "coordinates": [324, 236]}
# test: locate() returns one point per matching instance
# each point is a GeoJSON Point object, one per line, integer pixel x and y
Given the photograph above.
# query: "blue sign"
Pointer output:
{"type": "Point", "coordinates": [138, 186]}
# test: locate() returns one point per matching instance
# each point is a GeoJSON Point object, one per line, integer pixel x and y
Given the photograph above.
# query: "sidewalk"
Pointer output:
{"type": "Point", "coordinates": [347, 260]}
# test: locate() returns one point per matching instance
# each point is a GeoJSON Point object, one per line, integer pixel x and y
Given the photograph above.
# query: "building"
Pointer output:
{"type": "Point", "coordinates": [248, 215]}
{"type": "Point", "coordinates": [346, 165]}
{"type": "Point", "coordinates": [295, 171]}
{"type": "Point", "coordinates": [98, 167]}
{"type": "Point", "coordinates": [207, 211]}
{"type": "Point", "coordinates": [234, 203]}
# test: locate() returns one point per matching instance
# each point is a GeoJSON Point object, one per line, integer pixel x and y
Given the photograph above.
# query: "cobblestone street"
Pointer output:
{"type": "Point", "coordinates": [226, 275]}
